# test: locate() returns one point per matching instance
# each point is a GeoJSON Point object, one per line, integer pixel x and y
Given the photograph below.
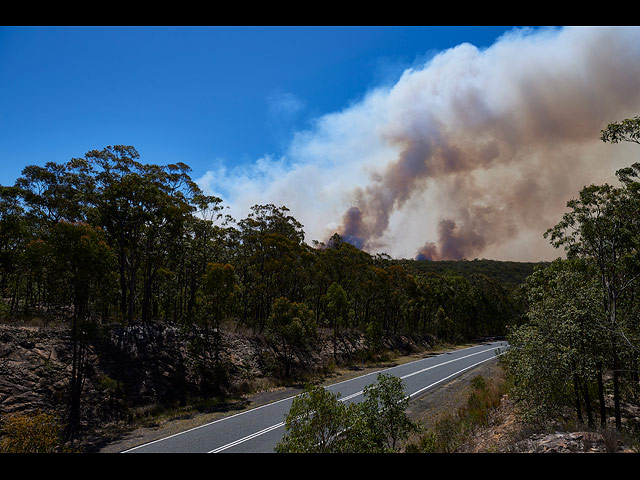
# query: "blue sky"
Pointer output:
{"type": "Point", "coordinates": [450, 142]}
{"type": "Point", "coordinates": [193, 94]}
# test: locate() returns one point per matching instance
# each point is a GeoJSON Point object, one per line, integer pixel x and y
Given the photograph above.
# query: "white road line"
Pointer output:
{"type": "Point", "coordinates": [444, 363]}
{"type": "Point", "coordinates": [207, 424]}
{"type": "Point", "coordinates": [242, 440]}
{"type": "Point", "coordinates": [453, 375]}
{"type": "Point", "coordinates": [268, 429]}
{"type": "Point", "coordinates": [273, 427]}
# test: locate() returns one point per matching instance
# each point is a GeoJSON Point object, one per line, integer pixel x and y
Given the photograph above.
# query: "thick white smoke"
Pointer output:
{"type": "Point", "coordinates": [474, 155]}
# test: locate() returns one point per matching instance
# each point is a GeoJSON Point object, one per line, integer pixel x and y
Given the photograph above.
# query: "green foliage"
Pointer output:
{"type": "Point", "coordinates": [315, 422]}
{"type": "Point", "coordinates": [450, 431]}
{"type": "Point", "coordinates": [503, 272]}
{"type": "Point", "coordinates": [384, 412]}
{"type": "Point", "coordinates": [338, 304]}
{"type": "Point", "coordinates": [373, 337]}
{"type": "Point", "coordinates": [627, 130]}
{"type": "Point", "coordinates": [106, 238]}
{"type": "Point", "coordinates": [561, 345]}
{"type": "Point", "coordinates": [290, 327]}
{"type": "Point", "coordinates": [216, 302]}
{"type": "Point", "coordinates": [582, 312]}
{"type": "Point", "coordinates": [338, 311]}
{"type": "Point", "coordinates": [318, 422]}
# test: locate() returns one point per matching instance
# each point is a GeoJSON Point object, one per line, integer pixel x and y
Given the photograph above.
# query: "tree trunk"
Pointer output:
{"type": "Point", "coordinates": [603, 408]}
{"type": "Point", "coordinates": [576, 389]}
{"type": "Point", "coordinates": [587, 403]}
{"type": "Point", "coordinates": [616, 385]}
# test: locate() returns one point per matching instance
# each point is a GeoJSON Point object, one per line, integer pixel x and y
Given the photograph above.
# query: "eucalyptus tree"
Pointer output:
{"type": "Point", "coordinates": [320, 422]}
{"type": "Point", "coordinates": [384, 409]}
{"type": "Point", "coordinates": [338, 309]}
{"type": "Point", "coordinates": [143, 209]}
{"type": "Point", "coordinates": [82, 261]}
{"type": "Point", "coordinates": [13, 239]}
{"type": "Point", "coordinates": [45, 195]}
{"type": "Point", "coordinates": [600, 227]}
{"type": "Point", "coordinates": [52, 193]}
{"type": "Point", "coordinates": [349, 266]}
{"type": "Point", "coordinates": [315, 423]}
{"type": "Point", "coordinates": [557, 355]}
{"type": "Point", "coordinates": [218, 301]}
{"type": "Point", "coordinates": [271, 260]}
{"type": "Point", "coordinates": [290, 328]}
{"type": "Point", "coordinates": [603, 227]}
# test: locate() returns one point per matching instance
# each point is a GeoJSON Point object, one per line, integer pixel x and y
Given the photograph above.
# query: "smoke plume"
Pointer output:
{"type": "Point", "coordinates": [474, 154]}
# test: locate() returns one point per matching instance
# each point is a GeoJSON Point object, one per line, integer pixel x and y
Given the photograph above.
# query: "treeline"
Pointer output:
{"type": "Point", "coordinates": [108, 240]}
{"type": "Point", "coordinates": [580, 344]}
{"type": "Point", "coordinates": [504, 272]}
{"type": "Point", "coordinates": [108, 236]}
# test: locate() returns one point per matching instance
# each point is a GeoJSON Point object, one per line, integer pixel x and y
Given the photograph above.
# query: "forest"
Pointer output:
{"type": "Point", "coordinates": [108, 240]}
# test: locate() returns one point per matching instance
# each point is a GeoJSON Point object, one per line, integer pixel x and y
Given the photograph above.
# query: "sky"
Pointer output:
{"type": "Point", "coordinates": [428, 142]}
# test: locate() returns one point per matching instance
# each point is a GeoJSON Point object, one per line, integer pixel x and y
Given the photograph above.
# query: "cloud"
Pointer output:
{"type": "Point", "coordinates": [283, 104]}
{"type": "Point", "coordinates": [282, 110]}
{"type": "Point", "coordinates": [473, 154]}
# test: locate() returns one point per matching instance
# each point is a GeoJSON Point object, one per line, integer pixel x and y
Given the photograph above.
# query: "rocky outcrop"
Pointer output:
{"type": "Point", "coordinates": [131, 370]}
{"type": "Point", "coordinates": [144, 364]}
{"type": "Point", "coordinates": [569, 442]}
{"type": "Point", "coordinates": [33, 368]}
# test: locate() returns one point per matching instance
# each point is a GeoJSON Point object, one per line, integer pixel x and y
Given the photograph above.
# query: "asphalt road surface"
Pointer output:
{"type": "Point", "coordinates": [260, 429]}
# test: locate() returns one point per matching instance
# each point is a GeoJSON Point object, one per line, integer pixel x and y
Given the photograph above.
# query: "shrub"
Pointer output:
{"type": "Point", "coordinates": [37, 432]}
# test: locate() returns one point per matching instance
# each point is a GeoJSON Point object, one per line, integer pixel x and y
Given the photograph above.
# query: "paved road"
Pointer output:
{"type": "Point", "coordinates": [260, 429]}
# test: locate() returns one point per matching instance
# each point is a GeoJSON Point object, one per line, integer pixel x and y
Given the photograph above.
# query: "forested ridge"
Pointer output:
{"type": "Point", "coordinates": [504, 272]}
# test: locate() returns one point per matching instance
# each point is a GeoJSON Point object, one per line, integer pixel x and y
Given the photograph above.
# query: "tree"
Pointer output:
{"type": "Point", "coordinates": [338, 309]}
{"type": "Point", "coordinates": [52, 193]}
{"type": "Point", "coordinates": [82, 259]}
{"type": "Point", "coordinates": [269, 260]}
{"type": "Point", "coordinates": [556, 357]}
{"type": "Point", "coordinates": [603, 227]}
{"type": "Point", "coordinates": [315, 423]}
{"type": "Point", "coordinates": [290, 327]}
{"type": "Point", "coordinates": [13, 232]}
{"type": "Point", "coordinates": [374, 337]}
{"type": "Point", "coordinates": [143, 209]}
{"type": "Point", "coordinates": [627, 130]}
{"type": "Point", "coordinates": [218, 301]}
{"type": "Point", "coordinates": [384, 412]}
{"type": "Point", "coordinates": [319, 422]}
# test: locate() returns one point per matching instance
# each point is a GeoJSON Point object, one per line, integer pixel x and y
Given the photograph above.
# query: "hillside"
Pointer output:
{"type": "Point", "coordinates": [504, 272]}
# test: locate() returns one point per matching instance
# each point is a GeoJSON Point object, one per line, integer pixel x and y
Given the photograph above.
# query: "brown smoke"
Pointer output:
{"type": "Point", "coordinates": [504, 136]}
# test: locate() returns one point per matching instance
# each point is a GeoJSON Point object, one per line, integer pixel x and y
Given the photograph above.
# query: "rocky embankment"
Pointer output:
{"type": "Point", "coordinates": [133, 370]}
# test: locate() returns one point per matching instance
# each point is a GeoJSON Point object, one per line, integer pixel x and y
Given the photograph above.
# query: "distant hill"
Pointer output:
{"type": "Point", "coordinates": [502, 271]}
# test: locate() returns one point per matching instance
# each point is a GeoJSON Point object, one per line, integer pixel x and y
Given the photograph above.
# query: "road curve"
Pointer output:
{"type": "Point", "coordinates": [260, 429]}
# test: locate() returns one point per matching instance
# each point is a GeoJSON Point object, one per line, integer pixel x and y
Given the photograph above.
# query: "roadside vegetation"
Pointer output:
{"type": "Point", "coordinates": [319, 422]}
{"type": "Point", "coordinates": [454, 429]}
{"type": "Point", "coordinates": [36, 432]}
{"type": "Point", "coordinates": [576, 355]}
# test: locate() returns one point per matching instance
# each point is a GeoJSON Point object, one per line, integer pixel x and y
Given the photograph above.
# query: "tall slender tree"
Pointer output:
{"type": "Point", "coordinates": [602, 226]}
